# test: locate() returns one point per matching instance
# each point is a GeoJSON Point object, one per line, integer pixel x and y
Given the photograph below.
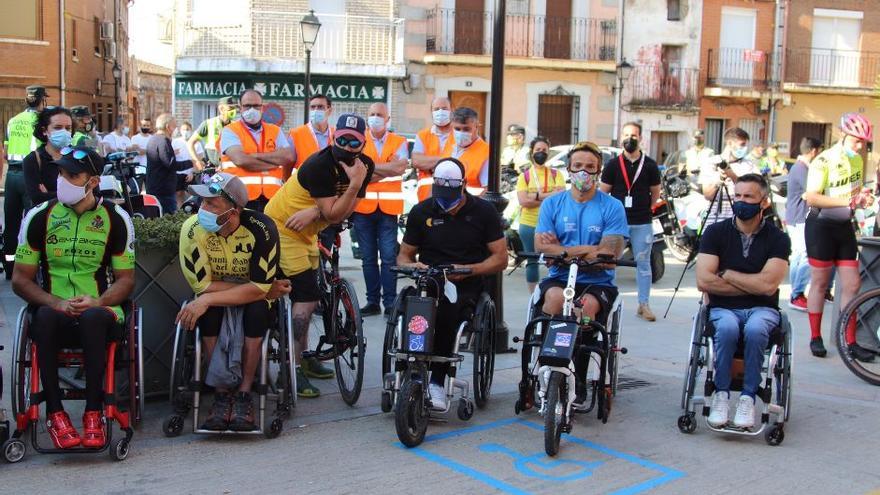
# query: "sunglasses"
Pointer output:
{"type": "Point", "coordinates": [216, 187]}
{"type": "Point", "coordinates": [351, 141]}
{"type": "Point", "coordinates": [77, 154]}
{"type": "Point", "coordinates": [441, 181]}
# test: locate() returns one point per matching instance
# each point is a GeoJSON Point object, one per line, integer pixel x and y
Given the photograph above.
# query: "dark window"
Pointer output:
{"type": "Point", "coordinates": [97, 40]}
{"type": "Point", "coordinates": [673, 10]}
{"type": "Point", "coordinates": [73, 48]}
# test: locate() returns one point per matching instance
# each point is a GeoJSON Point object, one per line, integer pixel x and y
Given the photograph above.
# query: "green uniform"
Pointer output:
{"type": "Point", "coordinates": [20, 141]}
{"type": "Point", "coordinates": [83, 139]}
{"type": "Point", "coordinates": [209, 132]}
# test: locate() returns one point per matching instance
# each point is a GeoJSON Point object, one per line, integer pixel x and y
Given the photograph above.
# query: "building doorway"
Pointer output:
{"type": "Point", "coordinates": [800, 130]}
{"type": "Point", "coordinates": [557, 116]}
{"type": "Point", "coordinates": [476, 101]}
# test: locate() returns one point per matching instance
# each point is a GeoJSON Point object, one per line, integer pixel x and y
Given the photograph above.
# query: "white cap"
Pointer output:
{"type": "Point", "coordinates": [449, 168]}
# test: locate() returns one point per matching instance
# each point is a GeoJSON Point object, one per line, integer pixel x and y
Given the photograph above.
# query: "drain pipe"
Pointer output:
{"type": "Point", "coordinates": [62, 38]}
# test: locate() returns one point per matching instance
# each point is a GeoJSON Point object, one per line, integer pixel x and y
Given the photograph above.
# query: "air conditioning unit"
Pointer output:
{"type": "Point", "coordinates": [107, 30]}
{"type": "Point", "coordinates": [110, 51]}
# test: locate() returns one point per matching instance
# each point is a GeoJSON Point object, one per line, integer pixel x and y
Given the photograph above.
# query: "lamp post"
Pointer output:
{"type": "Point", "coordinates": [117, 77]}
{"type": "Point", "coordinates": [310, 25]}
{"type": "Point", "coordinates": [624, 69]}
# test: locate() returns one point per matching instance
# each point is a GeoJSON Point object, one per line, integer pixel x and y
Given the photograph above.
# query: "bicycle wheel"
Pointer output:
{"type": "Point", "coordinates": [484, 351]}
{"type": "Point", "coordinates": [554, 412]}
{"type": "Point", "coordinates": [350, 344]}
{"type": "Point", "coordinates": [410, 413]}
{"type": "Point", "coordinates": [865, 308]}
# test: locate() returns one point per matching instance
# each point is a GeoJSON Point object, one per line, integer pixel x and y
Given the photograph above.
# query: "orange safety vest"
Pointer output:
{"type": "Point", "coordinates": [473, 158]}
{"type": "Point", "coordinates": [386, 194]}
{"type": "Point", "coordinates": [265, 183]}
{"type": "Point", "coordinates": [432, 148]}
{"type": "Point", "coordinates": [305, 143]}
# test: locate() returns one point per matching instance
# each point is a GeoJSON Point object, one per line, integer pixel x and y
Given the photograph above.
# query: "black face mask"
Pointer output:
{"type": "Point", "coordinates": [88, 127]}
{"type": "Point", "coordinates": [540, 157]}
{"type": "Point", "coordinates": [631, 145]}
{"type": "Point", "coordinates": [446, 197]}
{"type": "Point", "coordinates": [343, 155]}
{"type": "Point", "coordinates": [145, 130]}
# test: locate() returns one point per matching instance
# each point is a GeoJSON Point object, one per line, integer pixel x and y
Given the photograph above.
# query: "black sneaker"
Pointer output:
{"type": "Point", "coordinates": [859, 353]}
{"type": "Point", "coordinates": [371, 310]}
{"type": "Point", "coordinates": [220, 413]}
{"type": "Point", "coordinates": [817, 347]}
{"type": "Point", "coordinates": [243, 413]}
{"type": "Point", "coordinates": [580, 395]}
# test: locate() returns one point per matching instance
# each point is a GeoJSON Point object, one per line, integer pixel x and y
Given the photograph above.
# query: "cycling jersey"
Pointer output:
{"type": "Point", "coordinates": [75, 253]}
{"type": "Point", "coordinates": [838, 176]}
{"type": "Point", "coordinates": [250, 254]}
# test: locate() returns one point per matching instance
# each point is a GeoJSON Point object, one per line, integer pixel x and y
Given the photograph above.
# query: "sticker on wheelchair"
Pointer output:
{"type": "Point", "coordinates": [417, 325]}
{"type": "Point", "coordinates": [416, 343]}
{"type": "Point", "coordinates": [562, 340]}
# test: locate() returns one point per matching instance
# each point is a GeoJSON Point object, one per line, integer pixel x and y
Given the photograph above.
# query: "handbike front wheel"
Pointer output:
{"type": "Point", "coordinates": [350, 344]}
{"type": "Point", "coordinates": [410, 413]}
{"type": "Point", "coordinates": [865, 308]}
{"type": "Point", "coordinates": [555, 412]}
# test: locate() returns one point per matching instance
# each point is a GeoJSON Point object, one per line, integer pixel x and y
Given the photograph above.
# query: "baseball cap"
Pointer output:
{"type": "Point", "coordinates": [516, 129]}
{"type": "Point", "coordinates": [36, 91]}
{"type": "Point", "coordinates": [78, 159]}
{"type": "Point", "coordinates": [222, 184]}
{"type": "Point", "coordinates": [80, 111]}
{"type": "Point", "coordinates": [449, 169]}
{"type": "Point", "coordinates": [350, 124]}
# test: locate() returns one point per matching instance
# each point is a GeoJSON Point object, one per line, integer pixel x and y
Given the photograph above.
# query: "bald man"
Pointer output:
{"type": "Point", "coordinates": [375, 216]}
{"type": "Point", "coordinates": [433, 144]}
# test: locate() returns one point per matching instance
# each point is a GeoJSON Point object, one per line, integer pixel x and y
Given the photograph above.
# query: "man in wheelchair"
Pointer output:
{"type": "Point", "coordinates": [229, 256]}
{"type": "Point", "coordinates": [742, 261]}
{"type": "Point", "coordinates": [581, 223]}
{"type": "Point", "coordinates": [81, 248]}
{"type": "Point", "coordinates": [453, 227]}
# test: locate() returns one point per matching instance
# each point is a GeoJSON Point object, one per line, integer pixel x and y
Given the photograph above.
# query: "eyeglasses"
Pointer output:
{"type": "Point", "coordinates": [444, 182]}
{"type": "Point", "coordinates": [344, 141]}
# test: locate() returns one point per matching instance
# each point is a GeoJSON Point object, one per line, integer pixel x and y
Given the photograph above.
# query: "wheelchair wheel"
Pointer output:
{"type": "Point", "coordinates": [554, 412]}
{"type": "Point", "coordinates": [410, 414]}
{"type": "Point", "coordinates": [286, 362]}
{"type": "Point", "coordinates": [182, 367]}
{"type": "Point", "coordinates": [614, 351]}
{"type": "Point", "coordinates": [14, 450]}
{"type": "Point", "coordinates": [694, 361]}
{"type": "Point", "coordinates": [783, 373]}
{"type": "Point", "coordinates": [484, 350]}
{"type": "Point", "coordinates": [21, 362]}
{"type": "Point", "coordinates": [351, 346]}
{"type": "Point", "coordinates": [132, 360]}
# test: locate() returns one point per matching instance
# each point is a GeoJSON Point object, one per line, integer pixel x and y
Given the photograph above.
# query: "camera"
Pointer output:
{"type": "Point", "coordinates": [722, 165]}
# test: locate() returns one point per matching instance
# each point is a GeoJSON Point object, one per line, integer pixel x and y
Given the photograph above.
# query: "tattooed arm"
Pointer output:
{"type": "Point", "coordinates": [611, 244]}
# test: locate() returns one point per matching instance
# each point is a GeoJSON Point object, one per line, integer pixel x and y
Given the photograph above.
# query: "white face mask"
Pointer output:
{"type": "Point", "coordinates": [69, 194]}
{"type": "Point", "coordinates": [376, 123]}
{"type": "Point", "coordinates": [440, 117]}
{"type": "Point", "coordinates": [463, 139]}
{"type": "Point", "coordinates": [252, 116]}
{"type": "Point", "coordinates": [126, 130]}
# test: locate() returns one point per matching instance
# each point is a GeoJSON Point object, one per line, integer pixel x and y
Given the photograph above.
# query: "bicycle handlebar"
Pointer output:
{"type": "Point", "coordinates": [413, 272]}
{"type": "Point", "coordinates": [602, 259]}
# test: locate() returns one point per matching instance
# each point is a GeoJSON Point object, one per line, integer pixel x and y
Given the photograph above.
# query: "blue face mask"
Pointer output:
{"type": "Point", "coordinates": [740, 153]}
{"type": "Point", "coordinates": [60, 138]}
{"type": "Point", "coordinates": [208, 220]}
{"type": "Point", "coordinates": [849, 153]}
{"type": "Point", "coordinates": [317, 116]}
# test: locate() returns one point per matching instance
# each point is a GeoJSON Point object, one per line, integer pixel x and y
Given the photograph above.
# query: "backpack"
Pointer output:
{"type": "Point", "coordinates": [553, 173]}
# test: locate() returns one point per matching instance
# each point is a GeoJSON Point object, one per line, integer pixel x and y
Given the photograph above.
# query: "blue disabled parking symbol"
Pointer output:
{"type": "Point", "coordinates": [508, 456]}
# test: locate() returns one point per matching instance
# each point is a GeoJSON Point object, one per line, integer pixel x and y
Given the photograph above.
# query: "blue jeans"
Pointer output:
{"type": "Point", "coordinates": [377, 238]}
{"type": "Point", "coordinates": [755, 324]}
{"type": "Point", "coordinates": [799, 271]}
{"type": "Point", "coordinates": [169, 204]}
{"type": "Point", "coordinates": [527, 236]}
{"type": "Point", "coordinates": [641, 237]}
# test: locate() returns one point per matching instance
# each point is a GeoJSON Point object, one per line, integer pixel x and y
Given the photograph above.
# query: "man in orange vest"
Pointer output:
{"type": "Point", "coordinates": [375, 216]}
{"type": "Point", "coordinates": [255, 151]}
{"type": "Point", "coordinates": [314, 135]}
{"type": "Point", "coordinates": [470, 149]}
{"type": "Point", "coordinates": [432, 144]}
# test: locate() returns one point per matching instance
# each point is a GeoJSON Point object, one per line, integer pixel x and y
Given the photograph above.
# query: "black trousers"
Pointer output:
{"type": "Point", "coordinates": [449, 318]}
{"type": "Point", "coordinates": [256, 320]}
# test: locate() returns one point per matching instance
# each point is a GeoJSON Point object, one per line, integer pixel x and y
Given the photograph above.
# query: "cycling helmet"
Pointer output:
{"type": "Point", "coordinates": [857, 126]}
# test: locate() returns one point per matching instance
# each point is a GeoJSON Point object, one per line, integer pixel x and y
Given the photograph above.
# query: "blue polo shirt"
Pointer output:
{"type": "Point", "coordinates": [582, 224]}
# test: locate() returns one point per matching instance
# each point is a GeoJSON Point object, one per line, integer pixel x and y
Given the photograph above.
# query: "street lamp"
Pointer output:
{"type": "Point", "coordinates": [624, 69]}
{"type": "Point", "coordinates": [310, 25]}
{"type": "Point", "coordinates": [117, 77]}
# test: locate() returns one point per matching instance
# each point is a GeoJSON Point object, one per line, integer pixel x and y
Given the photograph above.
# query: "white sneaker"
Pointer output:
{"type": "Point", "coordinates": [438, 396]}
{"type": "Point", "coordinates": [719, 412]}
{"type": "Point", "coordinates": [745, 412]}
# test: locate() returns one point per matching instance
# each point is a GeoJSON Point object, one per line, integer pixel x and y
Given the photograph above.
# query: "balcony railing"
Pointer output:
{"type": "Point", "coordinates": [466, 32]}
{"type": "Point", "coordinates": [663, 87]}
{"type": "Point", "coordinates": [276, 35]}
{"type": "Point", "coordinates": [738, 68]}
{"type": "Point", "coordinates": [832, 68]}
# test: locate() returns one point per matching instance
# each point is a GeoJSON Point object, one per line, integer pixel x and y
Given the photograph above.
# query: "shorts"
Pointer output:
{"type": "Point", "coordinates": [830, 242]}
{"type": "Point", "coordinates": [296, 257]}
{"type": "Point", "coordinates": [603, 293]}
{"type": "Point", "coordinates": [256, 320]}
{"type": "Point", "coordinates": [304, 287]}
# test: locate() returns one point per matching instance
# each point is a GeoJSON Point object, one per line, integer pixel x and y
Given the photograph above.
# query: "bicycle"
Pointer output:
{"type": "Point", "coordinates": [342, 339]}
{"type": "Point", "coordinates": [866, 309]}
{"type": "Point", "coordinates": [549, 376]}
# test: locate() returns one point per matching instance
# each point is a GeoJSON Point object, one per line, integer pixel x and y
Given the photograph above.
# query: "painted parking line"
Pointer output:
{"type": "Point", "coordinates": [506, 468]}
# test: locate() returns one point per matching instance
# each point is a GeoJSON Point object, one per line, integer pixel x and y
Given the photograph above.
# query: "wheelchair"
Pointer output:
{"type": "Point", "coordinates": [123, 387]}
{"type": "Point", "coordinates": [406, 356]}
{"type": "Point", "coordinates": [775, 390]}
{"type": "Point", "coordinates": [276, 377]}
{"type": "Point", "coordinates": [4, 421]}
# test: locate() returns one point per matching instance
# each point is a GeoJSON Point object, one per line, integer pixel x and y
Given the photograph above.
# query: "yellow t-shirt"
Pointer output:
{"type": "Point", "coordinates": [541, 179]}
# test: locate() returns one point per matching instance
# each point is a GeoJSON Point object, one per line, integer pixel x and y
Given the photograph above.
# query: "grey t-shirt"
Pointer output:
{"type": "Point", "coordinates": [796, 208]}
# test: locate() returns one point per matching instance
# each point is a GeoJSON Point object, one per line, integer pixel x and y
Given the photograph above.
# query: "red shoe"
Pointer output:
{"type": "Point", "coordinates": [799, 303]}
{"type": "Point", "coordinates": [93, 430]}
{"type": "Point", "coordinates": [63, 434]}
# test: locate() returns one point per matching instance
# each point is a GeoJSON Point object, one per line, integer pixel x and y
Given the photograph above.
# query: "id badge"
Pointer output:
{"type": "Point", "coordinates": [628, 202]}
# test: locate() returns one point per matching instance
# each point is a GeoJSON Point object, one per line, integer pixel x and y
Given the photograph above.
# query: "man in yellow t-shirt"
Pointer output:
{"type": "Point", "coordinates": [534, 185]}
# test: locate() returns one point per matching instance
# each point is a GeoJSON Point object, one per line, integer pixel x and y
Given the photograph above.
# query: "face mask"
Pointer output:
{"type": "Point", "coordinates": [440, 117]}
{"type": "Point", "coordinates": [186, 134]}
{"type": "Point", "coordinates": [68, 193]}
{"type": "Point", "coordinates": [698, 142]}
{"type": "Point", "coordinates": [746, 211]}
{"type": "Point", "coordinates": [540, 157]}
{"type": "Point", "coordinates": [583, 181]}
{"type": "Point", "coordinates": [317, 117]}
{"type": "Point", "coordinates": [446, 197]}
{"type": "Point", "coordinates": [343, 155]}
{"type": "Point", "coordinates": [376, 123]}
{"type": "Point", "coordinates": [462, 139]}
{"type": "Point", "coordinates": [126, 130]}
{"type": "Point", "coordinates": [208, 220]}
{"type": "Point", "coordinates": [60, 138]}
{"type": "Point", "coordinates": [511, 140]}
{"type": "Point", "coordinates": [252, 116]}
{"type": "Point", "coordinates": [231, 115]}
{"type": "Point", "coordinates": [631, 145]}
{"type": "Point", "coordinates": [145, 130]}
{"type": "Point", "coordinates": [849, 153]}
{"type": "Point", "coordinates": [740, 153]}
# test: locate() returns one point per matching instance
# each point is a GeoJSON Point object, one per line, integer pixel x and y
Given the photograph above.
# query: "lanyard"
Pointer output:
{"type": "Point", "coordinates": [629, 185]}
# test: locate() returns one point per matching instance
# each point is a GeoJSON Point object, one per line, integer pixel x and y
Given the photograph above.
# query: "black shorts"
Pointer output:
{"type": "Point", "coordinates": [256, 320]}
{"type": "Point", "coordinates": [603, 293]}
{"type": "Point", "coordinates": [830, 242]}
{"type": "Point", "coordinates": [304, 287]}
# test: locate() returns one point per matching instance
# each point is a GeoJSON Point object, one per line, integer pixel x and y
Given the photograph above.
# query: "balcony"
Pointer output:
{"type": "Point", "coordinates": [663, 88]}
{"type": "Point", "coordinates": [271, 42]}
{"type": "Point", "coordinates": [823, 70]}
{"type": "Point", "coordinates": [456, 35]}
{"type": "Point", "coordinates": [737, 72]}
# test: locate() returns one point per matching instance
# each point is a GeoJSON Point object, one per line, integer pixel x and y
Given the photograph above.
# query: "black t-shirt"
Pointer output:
{"type": "Point", "coordinates": [724, 240]}
{"type": "Point", "coordinates": [640, 213]}
{"type": "Point", "coordinates": [40, 172]}
{"type": "Point", "coordinates": [323, 177]}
